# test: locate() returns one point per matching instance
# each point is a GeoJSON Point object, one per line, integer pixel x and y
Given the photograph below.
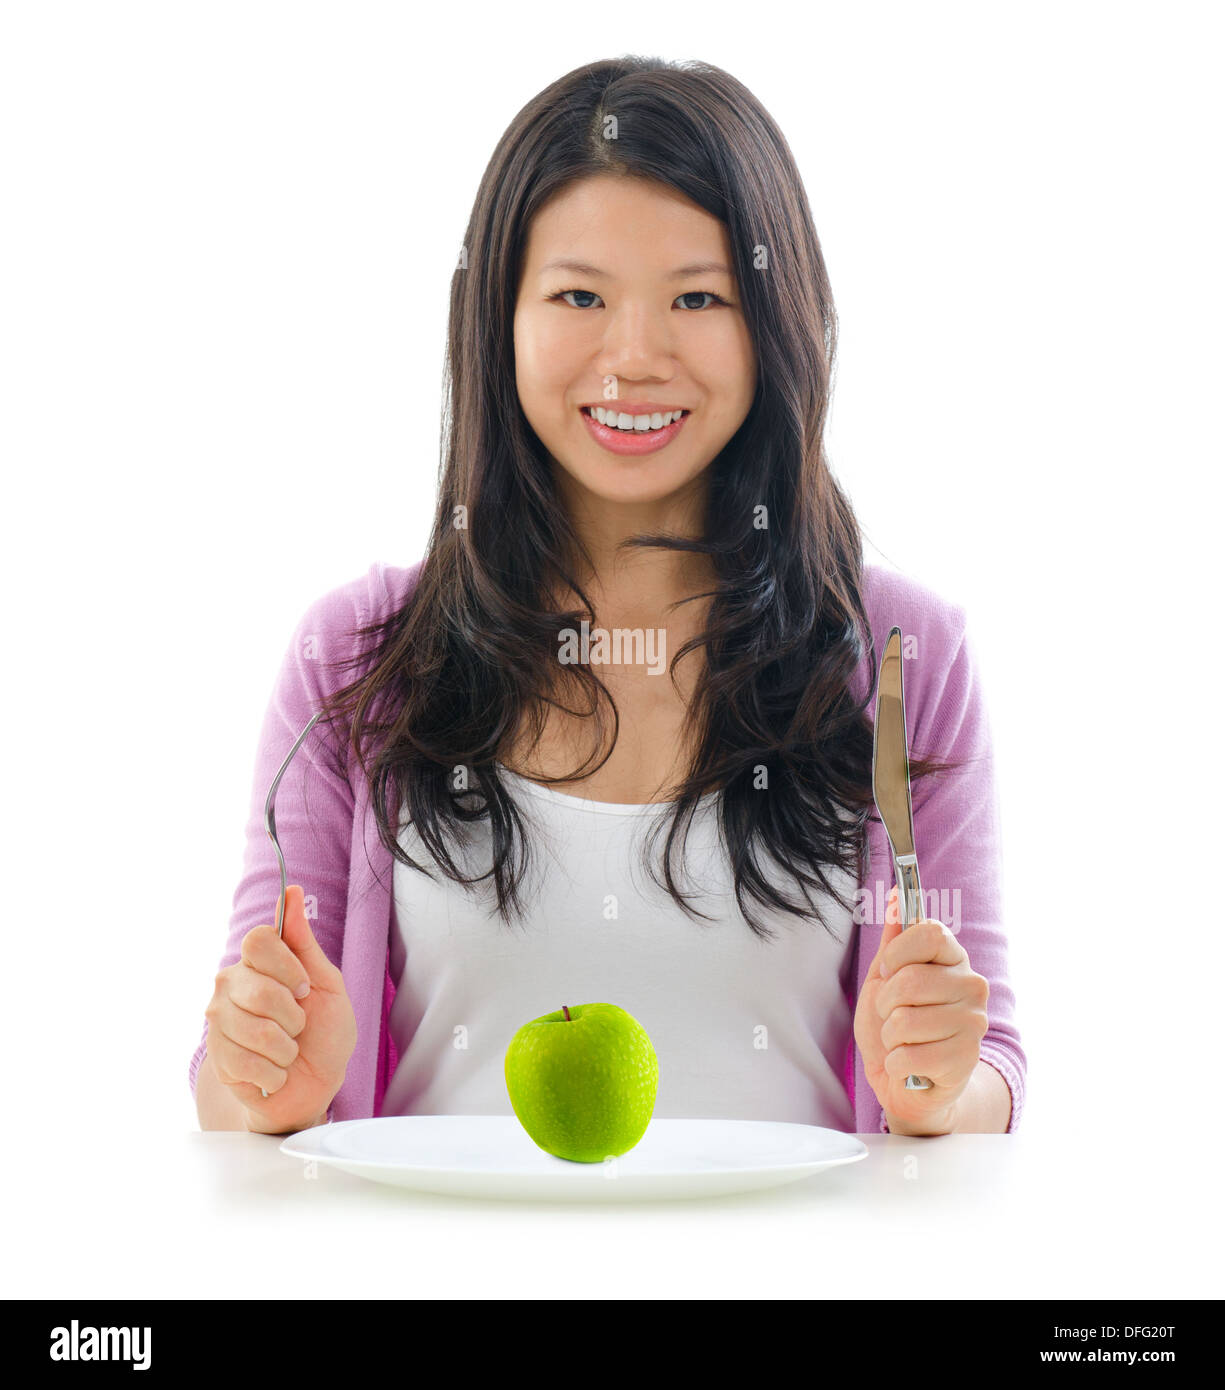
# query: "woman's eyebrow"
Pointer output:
{"type": "Point", "coordinates": [582, 268]}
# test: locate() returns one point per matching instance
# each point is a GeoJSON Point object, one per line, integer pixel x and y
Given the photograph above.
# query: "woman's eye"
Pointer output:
{"type": "Point", "coordinates": [699, 294]}
{"type": "Point", "coordinates": [588, 293]}
{"type": "Point", "coordinates": [691, 294]}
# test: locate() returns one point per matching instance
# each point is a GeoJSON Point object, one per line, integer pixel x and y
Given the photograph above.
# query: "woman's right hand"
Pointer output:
{"type": "Point", "coordinates": [261, 1035]}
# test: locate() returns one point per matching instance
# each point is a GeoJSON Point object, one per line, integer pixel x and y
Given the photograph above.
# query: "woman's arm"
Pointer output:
{"type": "Point", "coordinates": [958, 838]}
{"type": "Point", "coordinates": [314, 805]}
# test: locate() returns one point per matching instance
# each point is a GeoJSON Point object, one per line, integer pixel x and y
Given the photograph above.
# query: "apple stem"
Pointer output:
{"type": "Point", "coordinates": [566, 1011]}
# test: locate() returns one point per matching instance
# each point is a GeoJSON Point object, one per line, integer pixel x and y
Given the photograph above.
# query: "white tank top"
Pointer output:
{"type": "Point", "coordinates": [743, 1028]}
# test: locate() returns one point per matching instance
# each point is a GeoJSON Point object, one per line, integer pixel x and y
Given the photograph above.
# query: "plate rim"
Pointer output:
{"type": "Point", "coordinates": [318, 1134]}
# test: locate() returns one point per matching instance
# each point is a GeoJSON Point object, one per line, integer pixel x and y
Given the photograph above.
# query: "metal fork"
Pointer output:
{"type": "Point", "coordinates": [270, 826]}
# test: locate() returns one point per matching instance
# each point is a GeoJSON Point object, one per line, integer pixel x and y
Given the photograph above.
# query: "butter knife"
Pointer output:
{"type": "Point", "coordinates": [891, 792]}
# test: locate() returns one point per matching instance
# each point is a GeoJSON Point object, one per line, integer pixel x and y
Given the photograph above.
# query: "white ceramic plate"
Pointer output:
{"type": "Point", "coordinates": [492, 1156]}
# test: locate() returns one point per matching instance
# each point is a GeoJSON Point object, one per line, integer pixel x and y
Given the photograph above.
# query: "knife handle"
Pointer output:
{"type": "Point", "coordinates": [910, 905]}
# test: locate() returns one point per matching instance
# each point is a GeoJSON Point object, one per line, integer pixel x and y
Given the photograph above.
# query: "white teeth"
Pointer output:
{"type": "Point", "coordinates": [623, 421]}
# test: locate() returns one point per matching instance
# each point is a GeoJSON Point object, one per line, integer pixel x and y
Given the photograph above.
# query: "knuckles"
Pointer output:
{"type": "Point", "coordinates": [272, 1040]}
{"type": "Point", "coordinates": [929, 935]}
{"type": "Point", "coordinates": [889, 1031]}
{"type": "Point", "coordinates": [255, 940]}
{"type": "Point", "coordinates": [935, 932]}
{"type": "Point", "coordinates": [904, 983]}
{"type": "Point", "coordinates": [265, 994]}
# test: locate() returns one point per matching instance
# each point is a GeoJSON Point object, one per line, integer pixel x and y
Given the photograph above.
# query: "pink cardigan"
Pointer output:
{"type": "Point", "coordinates": [326, 828]}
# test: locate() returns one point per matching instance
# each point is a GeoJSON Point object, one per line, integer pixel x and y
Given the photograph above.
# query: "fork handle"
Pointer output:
{"type": "Point", "coordinates": [910, 905]}
{"type": "Point", "coordinates": [280, 917]}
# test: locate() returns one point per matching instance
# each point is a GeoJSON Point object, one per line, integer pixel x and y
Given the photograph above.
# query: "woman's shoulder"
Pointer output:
{"type": "Point", "coordinates": [372, 597]}
{"type": "Point", "coordinates": [893, 598]}
{"type": "Point", "coordinates": [389, 587]}
{"type": "Point", "coordinates": [933, 624]}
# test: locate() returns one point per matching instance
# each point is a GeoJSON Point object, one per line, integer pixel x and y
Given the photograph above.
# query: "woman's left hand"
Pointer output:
{"type": "Point", "coordinates": [922, 1011]}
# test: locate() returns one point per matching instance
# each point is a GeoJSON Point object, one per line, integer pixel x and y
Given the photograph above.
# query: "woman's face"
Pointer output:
{"type": "Point", "coordinates": [635, 332]}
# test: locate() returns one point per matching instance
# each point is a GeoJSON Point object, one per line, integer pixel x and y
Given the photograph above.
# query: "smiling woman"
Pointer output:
{"type": "Point", "coordinates": [640, 246]}
{"type": "Point", "coordinates": [640, 353]}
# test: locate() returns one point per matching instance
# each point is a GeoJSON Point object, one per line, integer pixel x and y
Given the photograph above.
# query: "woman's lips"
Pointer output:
{"type": "Point", "coordinates": [632, 441]}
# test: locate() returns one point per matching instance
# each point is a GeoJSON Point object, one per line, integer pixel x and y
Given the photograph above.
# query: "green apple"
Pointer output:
{"type": "Point", "coordinates": [583, 1080]}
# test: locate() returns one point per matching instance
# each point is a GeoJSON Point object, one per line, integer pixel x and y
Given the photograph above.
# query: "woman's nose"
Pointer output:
{"type": "Point", "coordinates": [637, 343]}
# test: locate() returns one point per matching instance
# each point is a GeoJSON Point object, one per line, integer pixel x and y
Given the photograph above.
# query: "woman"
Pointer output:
{"type": "Point", "coordinates": [643, 606]}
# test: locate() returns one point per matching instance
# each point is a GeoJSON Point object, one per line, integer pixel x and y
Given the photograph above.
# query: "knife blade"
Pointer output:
{"type": "Point", "coordinates": [891, 791]}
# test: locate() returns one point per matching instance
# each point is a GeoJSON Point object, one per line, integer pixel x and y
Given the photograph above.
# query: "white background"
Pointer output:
{"type": "Point", "coordinates": [226, 241]}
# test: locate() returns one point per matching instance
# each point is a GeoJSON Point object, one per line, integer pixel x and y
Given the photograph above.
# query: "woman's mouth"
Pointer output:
{"type": "Point", "coordinates": [632, 441]}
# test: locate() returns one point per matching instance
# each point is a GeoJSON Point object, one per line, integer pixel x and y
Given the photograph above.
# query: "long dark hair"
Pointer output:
{"type": "Point", "coordinates": [454, 672]}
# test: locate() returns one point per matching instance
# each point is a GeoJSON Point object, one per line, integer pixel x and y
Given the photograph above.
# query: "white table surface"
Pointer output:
{"type": "Point", "coordinates": [226, 1215]}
